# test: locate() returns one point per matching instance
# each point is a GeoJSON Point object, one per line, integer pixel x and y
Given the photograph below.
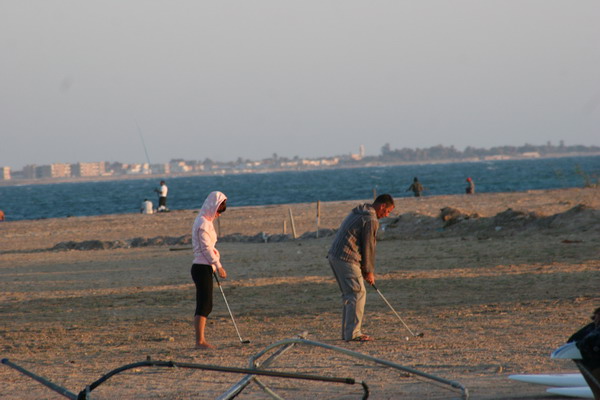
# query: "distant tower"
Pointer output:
{"type": "Point", "coordinates": [361, 151]}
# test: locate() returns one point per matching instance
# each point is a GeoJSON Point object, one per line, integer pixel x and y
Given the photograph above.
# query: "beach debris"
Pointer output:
{"type": "Point", "coordinates": [451, 215]}
{"type": "Point", "coordinates": [568, 241]}
{"type": "Point", "coordinates": [514, 218]}
{"type": "Point", "coordinates": [408, 225]}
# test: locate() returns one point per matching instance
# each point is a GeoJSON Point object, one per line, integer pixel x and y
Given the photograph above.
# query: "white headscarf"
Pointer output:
{"type": "Point", "coordinates": [211, 205]}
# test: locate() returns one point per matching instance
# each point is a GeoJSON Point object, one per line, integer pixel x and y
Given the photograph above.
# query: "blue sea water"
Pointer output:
{"type": "Point", "coordinates": [125, 196]}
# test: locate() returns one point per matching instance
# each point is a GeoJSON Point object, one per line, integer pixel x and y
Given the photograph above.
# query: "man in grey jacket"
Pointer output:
{"type": "Point", "coordinates": [352, 259]}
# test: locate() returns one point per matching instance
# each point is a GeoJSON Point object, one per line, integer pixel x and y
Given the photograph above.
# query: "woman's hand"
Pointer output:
{"type": "Point", "coordinates": [222, 273]}
{"type": "Point", "coordinates": [370, 278]}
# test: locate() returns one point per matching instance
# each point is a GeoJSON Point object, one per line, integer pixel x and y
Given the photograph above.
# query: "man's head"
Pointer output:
{"type": "Point", "coordinates": [383, 205]}
{"type": "Point", "coordinates": [162, 182]}
{"type": "Point", "coordinates": [596, 316]}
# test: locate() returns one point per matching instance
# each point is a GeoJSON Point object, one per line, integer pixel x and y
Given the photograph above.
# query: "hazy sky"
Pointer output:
{"type": "Point", "coordinates": [224, 79]}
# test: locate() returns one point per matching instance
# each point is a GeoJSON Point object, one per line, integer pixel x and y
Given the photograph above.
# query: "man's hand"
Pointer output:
{"type": "Point", "coordinates": [370, 278]}
{"type": "Point", "coordinates": [222, 273]}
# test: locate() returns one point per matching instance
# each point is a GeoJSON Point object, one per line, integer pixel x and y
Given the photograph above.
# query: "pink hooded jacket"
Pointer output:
{"type": "Point", "coordinates": [204, 236]}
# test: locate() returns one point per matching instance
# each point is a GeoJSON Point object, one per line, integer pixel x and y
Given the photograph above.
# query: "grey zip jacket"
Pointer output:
{"type": "Point", "coordinates": [355, 240]}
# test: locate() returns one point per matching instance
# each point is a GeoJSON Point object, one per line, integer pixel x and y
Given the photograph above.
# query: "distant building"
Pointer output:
{"type": "Point", "coordinates": [311, 163]}
{"type": "Point", "coordinates": [160, 169]}
{"type": "Point", "coordinates": [497, 157]}
{"type": "Point", "coordinates": [4, 173]}
{"type": "Point", "coordinates": [331, 161]}
{"type": "Point", "coordinates": [360, 155]}
{"type": "Point", "coordinates": [178, 166]}
{"type": "Point", "coordinates": [88, 169]}
{"type": "Point", "coordinates": [198, 167]}
{"type": "Point", "coordinates": [137, 169]}
{"type": "Point", "coordinates": [29, 171]}
{"type": "Point", "coordinates": [321, 162]}
{"type": "Point", "coordinates": [59, 170]}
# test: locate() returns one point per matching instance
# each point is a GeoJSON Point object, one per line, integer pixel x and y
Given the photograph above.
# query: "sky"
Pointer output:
{"type": "Point", "coordinates": [87, 81]}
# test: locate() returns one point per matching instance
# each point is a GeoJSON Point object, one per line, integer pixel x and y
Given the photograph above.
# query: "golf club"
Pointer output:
{"type": "Point", "coordinates": [418, 334]}
{"type": "Point", "coordinates": [229, 309]}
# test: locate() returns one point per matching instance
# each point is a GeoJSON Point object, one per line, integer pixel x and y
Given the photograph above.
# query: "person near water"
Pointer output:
{"type": "Point", "coordinates": [416, 187]}
{"type": "Point", "coordinates": [352, 260]}
{"type": "Point", "coordinates": [2, 216]}
{"type": "Point", "coordinates": [147, 207]}
{"type": "Point", "coordinates": [162, 196]}
{"type": "Point", "coordinates": [207, 261]}
{"type": "Point", "coordinates": [470, 189]}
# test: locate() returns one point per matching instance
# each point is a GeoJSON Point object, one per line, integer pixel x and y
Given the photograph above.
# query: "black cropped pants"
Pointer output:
{"type": "Point", "coordinates": [202, 276]}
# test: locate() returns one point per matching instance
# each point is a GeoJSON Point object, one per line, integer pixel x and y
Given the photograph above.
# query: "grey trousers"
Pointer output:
{"type": "Point", "coordinates": [354, 296]}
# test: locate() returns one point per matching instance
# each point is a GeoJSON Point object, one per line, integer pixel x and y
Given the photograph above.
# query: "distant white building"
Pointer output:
{"type": "Point", "coordinates": [88, 169]}
{"type": "Point", "coordinates": [311, 163]}
{"type": "Point", "coordinates": [4, 173]}
{"type": "Point", "coordinates": [57, 170]}
{"type": "Point", "coordinates": [160, 169]}
{"type": "Point", "coordinates": [497, 157]}
{"type": "Point", "coordinates": [360, 155]}
{"type": "Point", "coordinates": [179, 166]}
{"type": "Point", "coordinates": [138, 169]}
{"type": "Point", "coordinates": [330, 161]}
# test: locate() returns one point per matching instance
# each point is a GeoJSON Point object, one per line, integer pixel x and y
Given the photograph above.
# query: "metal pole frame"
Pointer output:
{"type": "Point", "coordinates": [58, 389]}
{"type": "Point", "coordinates": [285, 342]}
{"type": "Point", "coordinates": [85, 393]}
{"type": "Point", "coordinates": [236, 389]}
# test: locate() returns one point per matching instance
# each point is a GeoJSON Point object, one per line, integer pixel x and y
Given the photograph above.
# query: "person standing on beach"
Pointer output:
{"type": "Point", "coordinates": [352, 260]}
{"type": "Point", "coordinates": [207, 261]}
{"type": "Point", "coordinates": [162, 196]}
{"type": "Point", "coordinates": [470, 189]}
{"type": "Point", "coordinates": [416, 187]}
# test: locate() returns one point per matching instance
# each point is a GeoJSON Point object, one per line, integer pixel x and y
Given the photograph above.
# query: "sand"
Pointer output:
{"type": "Point", "coordinates": [493, 294]}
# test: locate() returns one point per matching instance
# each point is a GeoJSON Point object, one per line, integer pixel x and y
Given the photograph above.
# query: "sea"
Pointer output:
{"type": "Point", "coordinates": [72, 199]}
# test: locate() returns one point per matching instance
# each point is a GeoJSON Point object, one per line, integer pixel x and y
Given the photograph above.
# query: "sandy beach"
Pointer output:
{"type": "Point", "coordinates": [494, 291]}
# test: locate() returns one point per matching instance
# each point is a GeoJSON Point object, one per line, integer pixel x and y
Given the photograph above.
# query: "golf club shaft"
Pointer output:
{"type": "Point", "coordinates": [392, 308]}
{"type": "Point", "coordinates": [228, 309]}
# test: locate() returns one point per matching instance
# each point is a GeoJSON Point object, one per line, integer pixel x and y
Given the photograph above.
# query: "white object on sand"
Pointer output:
{"type": "Point", "coordinates": [567, 351]}
{"type": "Point", "coordinates": [557, 380]}
{"type": "Point", "coordinates": [583, 392]}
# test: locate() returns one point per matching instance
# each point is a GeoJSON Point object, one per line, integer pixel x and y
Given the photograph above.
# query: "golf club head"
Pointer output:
{"type": "Point", "coordinates": [245, 341]}
{"type": "Point", "coordinates": [419, 334]}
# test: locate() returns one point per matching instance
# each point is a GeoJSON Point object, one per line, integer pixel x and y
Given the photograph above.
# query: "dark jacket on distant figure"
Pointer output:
{"type": "Point", "coordinates": [416, 188]}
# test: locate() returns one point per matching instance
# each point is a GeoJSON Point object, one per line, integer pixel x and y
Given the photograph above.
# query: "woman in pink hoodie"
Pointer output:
{"type": "Point", "coordinates": [206, 261]}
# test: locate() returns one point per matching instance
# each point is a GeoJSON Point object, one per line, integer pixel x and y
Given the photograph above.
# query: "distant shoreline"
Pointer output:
{"type": "Point", "coordinates": [48, 181]}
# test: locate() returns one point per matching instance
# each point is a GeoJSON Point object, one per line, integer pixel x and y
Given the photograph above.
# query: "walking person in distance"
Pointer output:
{"type": "Point", "coordinates": [416, 187]}
{"type": "Point", "coordinates": [470, 189]}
